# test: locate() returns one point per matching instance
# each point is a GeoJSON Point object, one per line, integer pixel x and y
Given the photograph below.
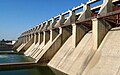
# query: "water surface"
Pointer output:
{"type": "Point", "coordinates": [16, 58]}
{"type": "Point", "coordinates": [28, 71]}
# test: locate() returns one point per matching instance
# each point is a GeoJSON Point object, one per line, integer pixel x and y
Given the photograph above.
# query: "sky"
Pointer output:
{"type": "Point", "coordinates": [17, 16]}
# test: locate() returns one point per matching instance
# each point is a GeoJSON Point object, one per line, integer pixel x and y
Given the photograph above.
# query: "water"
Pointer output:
{"type": "Point", "coordinates": [5, 50]}
{"type": "Point", "coordinates": [14, 58]}
{"type": "Point", "coordinates": [29, 71]}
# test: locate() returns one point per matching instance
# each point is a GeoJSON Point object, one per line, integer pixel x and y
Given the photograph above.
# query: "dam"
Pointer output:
{"type": "Point", "coordinates": [81, 41]}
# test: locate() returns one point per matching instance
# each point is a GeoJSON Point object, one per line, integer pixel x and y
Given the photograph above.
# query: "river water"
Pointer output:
{"type": "Point", "coordinates": [14, 58]}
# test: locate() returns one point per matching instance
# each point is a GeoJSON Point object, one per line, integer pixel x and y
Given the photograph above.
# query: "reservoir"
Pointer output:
{"type": "Point", "coordinates": [17, 58]}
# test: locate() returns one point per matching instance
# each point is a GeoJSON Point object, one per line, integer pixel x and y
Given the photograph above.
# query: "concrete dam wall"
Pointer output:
{"type": "Point", "coordinates": [77, 43]}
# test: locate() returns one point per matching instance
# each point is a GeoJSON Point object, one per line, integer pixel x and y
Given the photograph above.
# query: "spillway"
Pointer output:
{"type": "Point", "coordinates": [107, 58]}
{"type": "Point", "coordinates": [67, 58]}
{"type": "Point", "coordinates": [80, 41]}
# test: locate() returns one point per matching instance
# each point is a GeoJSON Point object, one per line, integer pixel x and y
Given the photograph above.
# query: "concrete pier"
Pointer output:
{"type": "Point", "coordinates": [69, 52]}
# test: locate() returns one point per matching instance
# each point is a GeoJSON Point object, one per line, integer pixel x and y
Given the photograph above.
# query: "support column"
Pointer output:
{"type": "Point", "coordinates": [52, 24]}
{"type": "Point", "coordinates": [46, 25]}
{"type": "Point", "coordinates": [26, 39]}
{"type": "Point", "coordinates": [106, 7]}
{"type": "Point", "coordinates": [78, 32]}
{"type": "Point", "coordinates": [32, 36]}
{"type": "Point", "coordinates": [71, 18]}
{"type": "Point", "coordinates": [35, 38]}
{"type": "Point", "coordinates": [66, 33]}
{"type": "Point", "coordinates": [40, 37]}
{"type": "Point", "coordinates": [86, 13]}
{"type": "Point", "coordinates": [29, 37]}
{"type": "Point", "coordinates": [53, 33]}
{"type": "Point", "coordinates": [100, 29]}
{"type": "Point", "coordinates": [60, 22]}
{"type": "Point", "coordinates": [42, 26]}
{"type": "Point", "coordinates": [23, 39]}
{"type": "Point", "coordinates": [46, 35]}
